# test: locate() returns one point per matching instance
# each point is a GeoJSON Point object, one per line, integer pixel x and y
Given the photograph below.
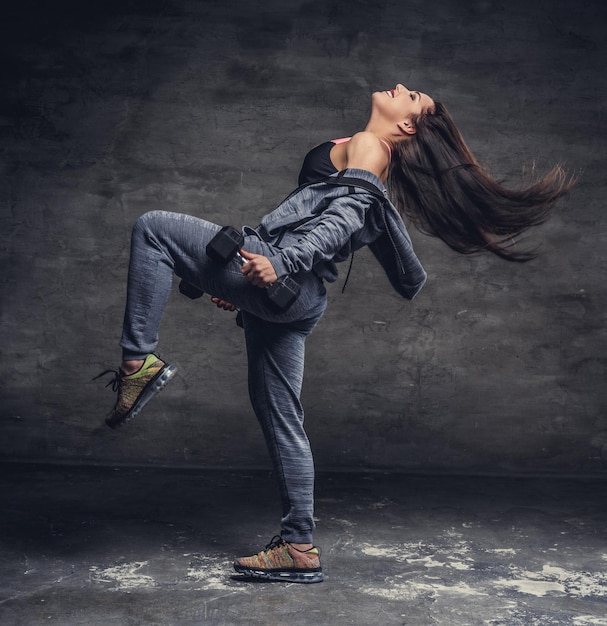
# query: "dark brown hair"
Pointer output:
{"type": "Point", "coordinates": [437, 183]}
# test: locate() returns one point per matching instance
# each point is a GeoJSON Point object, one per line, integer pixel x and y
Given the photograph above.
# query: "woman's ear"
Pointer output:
{"type": "Point", "coordinates": [406, 127]}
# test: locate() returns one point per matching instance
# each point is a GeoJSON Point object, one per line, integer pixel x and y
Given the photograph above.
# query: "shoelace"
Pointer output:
{"type": "Point", "coordinates": [278, 541]}
{"type": "Point", "coordinates": [275, 542]}
{"type": "Point", "coordinates": [115, 382]}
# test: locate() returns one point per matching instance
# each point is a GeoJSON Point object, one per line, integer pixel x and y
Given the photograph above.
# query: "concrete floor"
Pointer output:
{"type": "Point", "coordinates": [82, 545]}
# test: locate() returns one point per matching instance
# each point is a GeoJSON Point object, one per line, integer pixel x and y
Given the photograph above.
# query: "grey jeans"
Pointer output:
{"type": "Point", "coordinates": [164, 244]}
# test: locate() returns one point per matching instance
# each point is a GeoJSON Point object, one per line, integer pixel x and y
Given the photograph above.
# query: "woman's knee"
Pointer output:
{"type": "Point", "coordinates": [148, 222]}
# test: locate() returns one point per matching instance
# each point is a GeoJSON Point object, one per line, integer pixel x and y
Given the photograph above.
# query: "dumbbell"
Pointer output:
{"type": "Point", "coordinates": [189, 290]}
{"type": "Point", "coordinates": [224, 247]}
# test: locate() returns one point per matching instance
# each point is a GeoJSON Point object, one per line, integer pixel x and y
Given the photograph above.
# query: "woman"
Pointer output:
{"type": "Point", "coordinates": [410, 141]}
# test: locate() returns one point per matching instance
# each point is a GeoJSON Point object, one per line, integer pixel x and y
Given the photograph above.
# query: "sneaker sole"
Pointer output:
{"type": "Point", "coordinates": [157, 384]}
{"type": "Point", "coordinates": [281, 576]}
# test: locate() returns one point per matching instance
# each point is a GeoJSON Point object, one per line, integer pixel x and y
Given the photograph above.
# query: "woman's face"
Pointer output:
{"type": "Point", "coordinates": [400, 104]}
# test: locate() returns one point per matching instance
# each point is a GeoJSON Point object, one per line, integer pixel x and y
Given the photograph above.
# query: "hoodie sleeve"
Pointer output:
{"type": "Point", "coordinates": [333, 230]}
{"type": "Point", "coordinates": [395, 254]}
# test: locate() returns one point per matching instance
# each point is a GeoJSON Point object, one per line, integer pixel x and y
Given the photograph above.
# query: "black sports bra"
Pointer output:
{"type": "Point", "coordinates": [317, 164]}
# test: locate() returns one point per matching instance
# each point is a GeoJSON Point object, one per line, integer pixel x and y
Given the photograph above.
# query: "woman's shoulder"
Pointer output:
{"type": "Point", "coordinates": [367, 151]}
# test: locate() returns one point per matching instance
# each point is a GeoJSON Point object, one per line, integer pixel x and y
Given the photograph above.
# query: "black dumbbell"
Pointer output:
{"type": "Point", "coordinates": [225, 246]}
{"type": "Point", "coordinates": [189, 290]}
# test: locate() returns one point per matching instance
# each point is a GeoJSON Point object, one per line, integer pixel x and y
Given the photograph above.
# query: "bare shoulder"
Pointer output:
{"type": "Point", "coordinates": [366, 151]}
{"type": "Point", "coordinates": [365, 141]}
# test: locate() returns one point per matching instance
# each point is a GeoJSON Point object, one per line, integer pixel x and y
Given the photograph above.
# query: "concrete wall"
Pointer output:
{"type": "Point", "coordinates": [112, 109]}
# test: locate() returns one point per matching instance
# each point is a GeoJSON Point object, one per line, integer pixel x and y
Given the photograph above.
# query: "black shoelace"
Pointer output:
{"type": "Point", "coordinates": [274, 542]}
{"type": "Point", "coordinates": [115, 382]}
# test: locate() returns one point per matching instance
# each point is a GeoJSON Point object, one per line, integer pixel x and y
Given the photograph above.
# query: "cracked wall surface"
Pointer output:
{"type": "Point", "coordinates": [113, 109]}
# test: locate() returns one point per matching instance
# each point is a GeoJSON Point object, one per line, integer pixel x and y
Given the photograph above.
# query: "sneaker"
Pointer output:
{"type": "Point", "coordinates": [136, 390]}
{"type": "Point", "coordinates": [280, 561]}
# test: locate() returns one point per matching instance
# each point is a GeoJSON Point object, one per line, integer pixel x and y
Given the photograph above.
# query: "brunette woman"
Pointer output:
{"type": "Point", "coordinates": [410, 143]}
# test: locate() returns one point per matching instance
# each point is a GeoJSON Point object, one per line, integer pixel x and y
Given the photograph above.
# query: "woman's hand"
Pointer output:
{"type": "Point", "coordinates": [222, 304]}
{"type": "Point", "coordinates": [258, 269]}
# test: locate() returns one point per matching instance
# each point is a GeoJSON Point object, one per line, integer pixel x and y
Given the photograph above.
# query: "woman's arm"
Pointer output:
{"type": "Point", "coordinates": [333, 229]}
{"type": "Point", "coordinates": [364, 151]}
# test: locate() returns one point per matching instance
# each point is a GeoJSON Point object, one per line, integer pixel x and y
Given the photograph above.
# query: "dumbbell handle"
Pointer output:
{"type": "Point", "coordinates": [240, 258]}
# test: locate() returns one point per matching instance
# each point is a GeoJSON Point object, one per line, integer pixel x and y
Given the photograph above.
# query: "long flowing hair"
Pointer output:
{"type": "Point", "coordinates": [437, 183]}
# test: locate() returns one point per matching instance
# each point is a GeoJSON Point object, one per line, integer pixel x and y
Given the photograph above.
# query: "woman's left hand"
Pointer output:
{"type": "Point", "coordinates": [222, 304]}
{"type": "Point", "coordinates": [258, 269]}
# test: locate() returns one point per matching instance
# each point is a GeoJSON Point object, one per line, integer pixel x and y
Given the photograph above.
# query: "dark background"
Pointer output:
{"type": "Point", "coordinates": [110, 109]}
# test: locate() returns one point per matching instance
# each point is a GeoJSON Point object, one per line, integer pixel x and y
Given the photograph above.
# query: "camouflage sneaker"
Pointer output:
{"type": "Point", "coordinates": [280, 561]}
{"type": "Point", "coordinates": [136, 390]}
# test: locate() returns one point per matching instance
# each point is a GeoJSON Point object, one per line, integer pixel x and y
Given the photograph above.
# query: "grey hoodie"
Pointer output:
{"type": "Point", "coordinates": [321, 224]}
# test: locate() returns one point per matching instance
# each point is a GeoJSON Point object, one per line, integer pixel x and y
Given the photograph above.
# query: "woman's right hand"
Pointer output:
{"type": "Point", "coordinates": [258, 270]}
{"type": "Point", "coordinates": [222, 304]}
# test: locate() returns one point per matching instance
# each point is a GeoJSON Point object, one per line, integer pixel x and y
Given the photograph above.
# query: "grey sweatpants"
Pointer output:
{"type": "Point", "coordinates": [164, 244]}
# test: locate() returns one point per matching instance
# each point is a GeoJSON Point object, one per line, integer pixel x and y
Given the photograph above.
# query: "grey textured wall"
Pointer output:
{"type": "Point", "coordinates": [112, 109]}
